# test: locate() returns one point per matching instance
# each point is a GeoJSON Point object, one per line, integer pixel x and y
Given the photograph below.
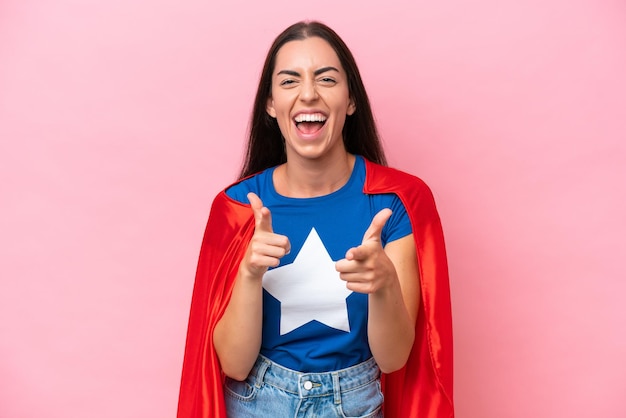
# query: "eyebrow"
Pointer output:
{"type": "Point", "coordinates": [316, 72]}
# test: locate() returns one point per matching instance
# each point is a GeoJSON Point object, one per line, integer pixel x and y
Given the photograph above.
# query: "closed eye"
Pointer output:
{"type": "Point", "coordinates": [288, 82]}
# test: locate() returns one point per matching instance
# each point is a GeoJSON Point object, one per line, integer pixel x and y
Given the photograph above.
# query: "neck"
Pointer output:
{"type": "Point", "coordinates": [312, 178]}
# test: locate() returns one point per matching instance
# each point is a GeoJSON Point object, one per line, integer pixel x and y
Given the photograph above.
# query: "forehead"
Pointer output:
{"type": "Point", "coordinates": [308, 53]}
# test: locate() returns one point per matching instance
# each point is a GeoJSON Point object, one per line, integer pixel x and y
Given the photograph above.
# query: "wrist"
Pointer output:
{"type": "Point", "coordinates": [250, 274]}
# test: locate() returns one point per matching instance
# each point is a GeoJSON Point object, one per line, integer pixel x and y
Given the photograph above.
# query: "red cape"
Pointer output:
{"type": "Point", "coordinates": [422, 389]}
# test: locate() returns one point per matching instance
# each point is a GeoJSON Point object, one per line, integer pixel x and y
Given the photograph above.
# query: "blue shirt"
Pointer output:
{"type": "Point", "coordinates": [311, 322]}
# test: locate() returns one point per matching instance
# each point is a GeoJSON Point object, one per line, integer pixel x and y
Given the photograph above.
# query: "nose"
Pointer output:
{"type": "Point", "coordinates": [308, 91]}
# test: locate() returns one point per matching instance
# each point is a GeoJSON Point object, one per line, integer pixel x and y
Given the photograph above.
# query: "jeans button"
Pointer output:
{"type": "Point", "coordinates": [308, 385]}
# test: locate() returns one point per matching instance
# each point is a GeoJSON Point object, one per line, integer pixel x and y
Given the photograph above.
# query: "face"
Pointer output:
{"type": "Point", "coordinates": [310, 98]}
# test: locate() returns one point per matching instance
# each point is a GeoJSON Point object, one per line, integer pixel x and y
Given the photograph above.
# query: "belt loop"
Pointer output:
{"type": "Point", "coordinates": [336, 388]}
{"type": "Point", "coordinates": [263, 365]}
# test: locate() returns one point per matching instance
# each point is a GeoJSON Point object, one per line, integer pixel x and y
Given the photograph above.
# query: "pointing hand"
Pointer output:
{"type": "Point", "coordinates": [366, 268]}
{"type": "Point", "coordinates": [265, 248]}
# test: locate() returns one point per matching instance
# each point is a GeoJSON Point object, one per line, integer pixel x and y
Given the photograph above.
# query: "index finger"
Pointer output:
{"type": "Point", "coordinates": [262, 215]}
{"type": "Point", "coordinates": [375, 229]}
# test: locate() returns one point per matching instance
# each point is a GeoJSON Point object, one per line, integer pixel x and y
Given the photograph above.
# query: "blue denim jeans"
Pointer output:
{"type": "Point", "coordinates": [274, 391]}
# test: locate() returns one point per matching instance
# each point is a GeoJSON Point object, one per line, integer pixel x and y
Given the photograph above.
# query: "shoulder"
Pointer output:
{"type": "Point", "coordinates": [415, 194]}
{"type": "Point", "coordinates": [383, 179]}
{"type": "Point", "coordinates": [239, 190]}
{"type": "Point", "coordinates": [227, 215]}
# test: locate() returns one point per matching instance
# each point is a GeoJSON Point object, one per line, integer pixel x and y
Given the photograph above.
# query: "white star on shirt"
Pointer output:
{"type": "Point", "coordinates": [309, 289]}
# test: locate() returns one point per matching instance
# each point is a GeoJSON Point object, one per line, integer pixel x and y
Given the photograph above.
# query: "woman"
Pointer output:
{"type": "Point", "coordinates": [320, 268]}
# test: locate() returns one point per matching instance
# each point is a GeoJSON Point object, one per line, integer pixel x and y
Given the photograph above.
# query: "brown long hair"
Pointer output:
{"type": "Point", "coordinates": [265, 143]}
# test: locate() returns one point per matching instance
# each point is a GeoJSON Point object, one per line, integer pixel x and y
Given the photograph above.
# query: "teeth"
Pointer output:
{"type": "Point", "coordinates": [307, 117]}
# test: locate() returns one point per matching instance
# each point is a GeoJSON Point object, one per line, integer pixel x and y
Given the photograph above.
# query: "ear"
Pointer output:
{"type": "Point", "coordinates": [269, 107]}
{"type": "Point", "coordinates": [351, 107]}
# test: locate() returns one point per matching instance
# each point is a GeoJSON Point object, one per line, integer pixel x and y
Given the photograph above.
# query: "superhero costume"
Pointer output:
{"type": "Point", "coordinates": [422, 389]}
{"type": "Point", "coordinates": [311, 321]}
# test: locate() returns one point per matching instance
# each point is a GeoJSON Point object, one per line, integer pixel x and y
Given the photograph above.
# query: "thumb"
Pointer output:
{"type": "Point", "coordinates": [262, 215]}
{"type": "Point", "coordinates": [376, 227]}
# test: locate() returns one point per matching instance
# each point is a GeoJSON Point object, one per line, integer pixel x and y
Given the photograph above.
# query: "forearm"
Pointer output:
{"type": "Point", "coordinates": [390, 277]}
{"type": "Point", "coordinates": [237, 336]}
{"type": "Point", "coordinates": [391, 331]}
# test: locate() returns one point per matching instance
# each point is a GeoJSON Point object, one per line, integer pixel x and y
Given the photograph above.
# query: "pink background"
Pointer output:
{"type": "Point", "coordinates": [120, 119]}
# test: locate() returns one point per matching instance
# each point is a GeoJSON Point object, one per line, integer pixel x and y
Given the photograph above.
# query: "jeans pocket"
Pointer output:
{"type": "Point", "coordinates": [363, 402]}
{"type": "Point", "coordinates": [241, 390]}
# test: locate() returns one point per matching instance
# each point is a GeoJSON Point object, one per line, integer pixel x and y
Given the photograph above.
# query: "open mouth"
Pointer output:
{"type": "Point", "coordinates": [309, 123]}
